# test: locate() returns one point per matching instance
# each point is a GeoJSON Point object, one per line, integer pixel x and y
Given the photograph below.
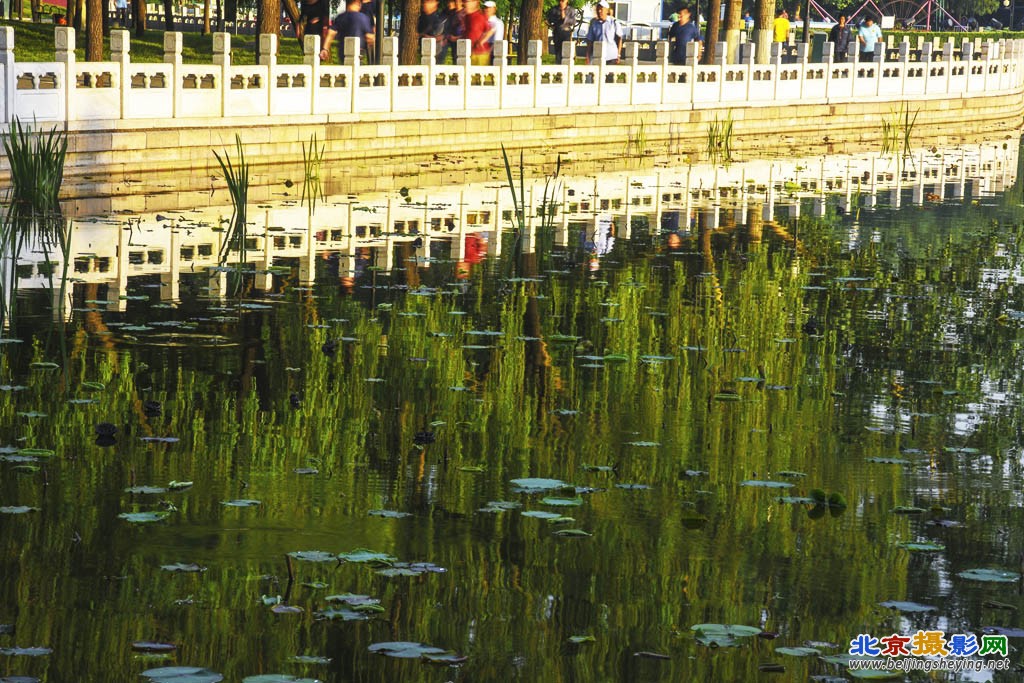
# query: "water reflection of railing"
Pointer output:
{"type": "Point", "coordinates": [468, 221]}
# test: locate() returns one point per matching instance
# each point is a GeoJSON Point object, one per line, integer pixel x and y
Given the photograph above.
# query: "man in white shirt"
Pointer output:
{"type": "Point", "coordinates": [495, 26]}
{"type": "Point", "coordinates": [604, 29]}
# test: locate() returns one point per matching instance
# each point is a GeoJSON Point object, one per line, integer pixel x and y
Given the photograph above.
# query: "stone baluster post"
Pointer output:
{"type": "Point", "coordinates": [120, 52]}
{"type": "Point", "coordinates": [64, 41]}
{"type": "Point", "coordinates": [632, 56]}
{"type": "Point", "coordinates": [172, 56]}
{"type": "Point", "coordinates": [569, 53]}
{"type": "Point", "coordinates": [500, 53]}
{"type": "Point", "coordinates": [597, 53]}
{"type": "Point", "coordinates": [222, 58]}
{"type": "Point", "coordinates": [10, 77]}
{"type": "Point", "coordinates": [534, 52]}
{"type": "Point", "coordinates": [428, 51]}
{"type": "Point", "coordinates": [353, 52]}
{"type": "Point", "coordinates": [967, 57]}
{"type": "Point", "coordinates": [691, 54]}
{"type": "Point", "coordinates": [776, 54]}
{"type": "Point", "coordinates": [268, 58]}
{"type": "Point", "coordinates": [661, 54]}
{"type": "Point", "coordinates": [389, 51]}
{"type": "Point", "coordinates": [311, 57]}
{"type": "Point", "coordinates": [463, 50]}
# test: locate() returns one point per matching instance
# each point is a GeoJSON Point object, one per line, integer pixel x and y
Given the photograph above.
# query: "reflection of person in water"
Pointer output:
{"type": "Point", "coordinates": [476, 250]}
{"type": "Point", "coordinates": [361, 260]}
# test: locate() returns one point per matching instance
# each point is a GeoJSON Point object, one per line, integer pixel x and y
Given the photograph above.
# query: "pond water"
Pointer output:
{"type": "Point", "coordinates": [665, 349]}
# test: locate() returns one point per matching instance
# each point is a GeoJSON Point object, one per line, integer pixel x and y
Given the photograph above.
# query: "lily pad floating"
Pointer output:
{"type": "Point", "coordinates": [16, 509]}
{"type": "Point", "coordinates": [922, 546]}
{"type": "Point", "coordinates": [541, 514]}
{"type": "Point", "coordinates": [313, 556]}
{"type": "Point", "coordinates": [286, 609]}
{"type": "Point", "coordinates": [562, 502]}
{"type": "Point", "coordinates": [888, 461]}
{"type": "Point", "coordinates": [94, 386]}
{"type": "Point", "coordinates": [405, 650]}
{"type": "Point", "coordinates": [789, 474]}
{"type": "Point", "coordinates": [160, 439]}
{"type": "Point", "coordinates": [152, 646]}
{"type": "Point", "coordinates": [644, 444]}
{"type": "Point", "coordinates": [501, 506]}
{"type": "Point", "coordinates": [309, 659]}
{"type": "Point", "coordinates": [727, 396]}
{"type": "Point", "coordinates": [182, 674]}
{"type": "Point", "coordinates": [392, 514]}
{"type": "Point", "coordinates": [145, 490]}
{"type": "Point", "coordinates": [722, 635]}
{"type": "Point", "coordinates": [798, 651]}
{"type": "Point", "coordinates": [179, 485]}
{"type": "Point", "coordinates": [362, 555]}
{"type": "Point", "coordinates": [306, 470]}
{"type": "Point", "coordinates": [797, 500]}
{"type": "Point", "coordinates": [25, 651]}
{"type": "Point", "coordinates": [573, 533]}
{"type": "Point", "coordinates": [766, 484]}
{"type": "Point", "coordinates": [446, 658]}
{"type": "Point", "coordinates": [578, 640]}
{"type": "Point", "coordinates": [411, 569]}
{"type": "Point", "coordinates": [144, 517]}
{"type": "Point", "coordinates": [190, 568]}
{"type": "Point", "coordinates": [352, 599]}
{"type": "Point", "coordinates": [906, 606]}
{"type": "Point", "coordinates": [43, 365]}
{"type": "Point", "coordinates": [277, 678]}
{"type": "Point", "coordinates": [989, 575]}
{"type": "Point", "coordinates": [240, 503]}
{"type": "Point", "coordinates": [908, 510]}
{"type": "Point", "coordinates": [632, 487]}
{"type": "Point", "coordinates": [343, 613]}
{"type": "Point", "coordinates": [31, 414]}
{"type": "Point", "coordinates": [538, 485]}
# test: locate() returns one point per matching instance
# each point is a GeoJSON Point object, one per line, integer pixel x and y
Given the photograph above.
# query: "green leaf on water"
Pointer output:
{"type": "Point", "coordinates": [582, 639]}
{"type": "Point", "coordinates": [182, 674]}
{"type": "Point", "coordinates": [989, 575]}
{"type": "Point", "coordinates": [798, 651]}
{"type": "Point", "coordinates": [888, 461]}
{"type": "Point", "coordinates": [905, 606]}
{"type": "Point", "coordinates": [538, 485]}
{"type": "Point", "coordinates": [562, 502]}
{"type": "Point", "coordinates": [766, 484]}
{"type": "Point", "coordinates": [145, 490]}
{"type": "Point", "coordinates": [908, 510]}
{"type": "Point", "coordinates": [722, 635]}
{"type": "Point", "coordinates": [94, 386]}
{"type": "Point", "coordinates": [313, 556]}
{"type": "Point", "coordinates": [541, 514]}
{"type": "Point", "coordinates": [393, 514]}
{"type": "Point", "coordinates": [240, 503]}
{"type": "Point", "coordinates": [16, 509]}
{"type": "Point", "coordinates": [43, 365]}
{"type": "Point", "coordinates": [362, 555]}
{"type": "Point", "coordinates": [922, 546]}
{"type": "Point", "coordinates": [576, 533]}
{"type": "Point", "coordinates": [37, 452]}
{"type": "Point", "coordinates": [727, 396]}
{"type": "Point", "coordinates": [179, 485]}
{"type": "Point", "coordinates": [144, 517]}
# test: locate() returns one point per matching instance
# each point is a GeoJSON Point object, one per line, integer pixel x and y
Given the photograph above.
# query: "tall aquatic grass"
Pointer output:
{"type": "Point", "coordinates": [33, 216]}
{"type": "Point", "coordinates": [719, 139]}
{"type": "Point", "coordinates": [898, 130]}
{"type": "Point", "coordinates": [312, 184]}
{"type": "Point", "coordinates": [236, 175]}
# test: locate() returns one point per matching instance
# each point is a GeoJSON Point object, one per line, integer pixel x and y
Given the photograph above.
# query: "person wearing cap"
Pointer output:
{"type": "Point", "coordinates": [604, 29]}
{"type": "Point", "coordinates": [682, 33]}
{"type": "Point", "coordinates": [349, 24]}
{"type": "Point", "coordinates": [476, 31]}
{"type": "Point", "coordinates": [495, 26]}
{"type": "Point", "coordinates": [562, 20]}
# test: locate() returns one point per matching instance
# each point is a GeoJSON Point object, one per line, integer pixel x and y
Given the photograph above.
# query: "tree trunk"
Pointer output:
{"type": "Point", "coordinates": [408, 38]}
{"type": "Point", "coordinates": [714, 29]}
{"type": "Point", "coordinates": [733, 25]}
{"type": "Point", "coordinates": [807, 22]}
{"type": "Point", "coordinates": [106, 21]}
{"type": "Point", "coordinates": [220, 16]}
{"type": "Point", "coordinates": [94, 31]}
{"type": "Point", "coordinates": [292, 10]}
{"type": "Point", "coordinates": [268, 20]}
{"type": "Point", "coordinates": [79, 15]}
{"type": "Point", "coordinates": [36, 9]}
{"type": "Point", "coordinates": [72, 15]}
{"type": "Point", "coordinates": [531, 26]}
{"type": "Point", "coordinates": [139, 17]}
{"type": "Point", "coordinates": [763, 18]}
{"type": "Point", "coordinates": [168, 15]}
{"type": "Point", "coordinates": [206, 17]}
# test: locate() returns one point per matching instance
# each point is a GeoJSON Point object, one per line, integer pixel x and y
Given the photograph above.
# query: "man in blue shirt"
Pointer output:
{"type": "Point", "coordinates": [349, 24]}
{"type": "Point", "coordinates": [868, 35]}
{"type": "Point", "coordinates": [604, 29]}
{"type": "Point", "coordinates": [683, 32]}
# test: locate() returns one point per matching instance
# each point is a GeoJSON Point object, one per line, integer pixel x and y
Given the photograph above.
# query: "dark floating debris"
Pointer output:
{"type": "Point", "coordinates": [152, 409]}
{"type": "Point", "coordinates": [106, 429]}
{"type": "Point", "coordinates": [423, 438]}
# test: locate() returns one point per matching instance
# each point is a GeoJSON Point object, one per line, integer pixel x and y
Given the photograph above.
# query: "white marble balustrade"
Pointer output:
{"type": "Point", "coordinates": [66, 90]}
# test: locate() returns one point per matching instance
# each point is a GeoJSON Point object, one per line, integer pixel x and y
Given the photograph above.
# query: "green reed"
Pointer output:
{"type": "Point", "coordinates": [236, 175]}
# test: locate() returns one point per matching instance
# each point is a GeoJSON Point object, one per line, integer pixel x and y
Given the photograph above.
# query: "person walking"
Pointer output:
{"type": "Point", "coordinates": [780, 27]}
{"type": "Point", "coordinates": [476, 33]}
{"type": "Point", "coordinates": [315, 18]}
{"type": "Point", "coordinates": [840, 37]}
{"type": "Point", "coordinates": [349, 24]}
{"type": "Point", "coordinates": [562, 20]}
{"type": "Point", "coordinates": [431, 25]}
{"type": "Point", "coordinates": [682, 33]}
{"type": "Point", "coordinates": [604, 29]}
{"type": "Point", "coordinates": [868, 36]}
{"type": "Point", "coordinates": [495, 26]}
{"type": "Point", "coordinates": [454, 29]}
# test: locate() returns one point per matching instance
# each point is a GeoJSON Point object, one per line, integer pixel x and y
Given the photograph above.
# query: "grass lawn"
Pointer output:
{"type": "Point", "coordinates": [34, 43]}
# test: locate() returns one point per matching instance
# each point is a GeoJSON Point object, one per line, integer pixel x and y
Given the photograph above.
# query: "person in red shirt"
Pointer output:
{"type": "Point", "coordinates": [476, 29]}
